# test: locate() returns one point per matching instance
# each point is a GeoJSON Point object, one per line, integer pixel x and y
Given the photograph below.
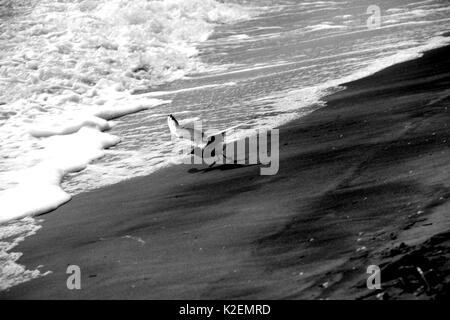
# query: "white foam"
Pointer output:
{"type": "Point", "coordinates": [238, 37]}
{"type": "Point", "coordinates": [12, 273]}
{"type": "Point", "coordinates": [344, 16]}
{"type": "Point", "coordinates": [38, 190]}
{"type": "Point", "coordinates": [68, 148]}
{"type": "Point", "coordinates": [324, 26]}
{"type": "Point", "coordinates": [71, 125]}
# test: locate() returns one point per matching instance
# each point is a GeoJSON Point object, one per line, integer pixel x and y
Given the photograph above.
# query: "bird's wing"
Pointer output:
{"type": "Point", "coordinates": [223, 132]}
{"type": "Point", "coordinates": [211, 138]}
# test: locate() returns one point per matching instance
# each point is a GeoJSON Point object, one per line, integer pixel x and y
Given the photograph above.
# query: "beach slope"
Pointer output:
{"type": "Point", "coordinates": [363, 181]}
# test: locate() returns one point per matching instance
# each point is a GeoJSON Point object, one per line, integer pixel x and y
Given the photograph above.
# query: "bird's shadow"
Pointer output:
{"type": "Point", "coordinates": [222, 167]}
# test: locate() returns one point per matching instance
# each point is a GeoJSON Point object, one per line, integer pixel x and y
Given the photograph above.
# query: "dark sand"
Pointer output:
{"type": "Point", "coordinates": [362, 181]}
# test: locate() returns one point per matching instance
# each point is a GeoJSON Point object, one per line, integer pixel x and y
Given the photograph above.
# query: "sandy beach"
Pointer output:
{"type": "Point", "coordinates": [362, 181]}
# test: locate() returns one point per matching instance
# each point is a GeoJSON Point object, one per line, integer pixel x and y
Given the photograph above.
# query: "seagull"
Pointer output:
{"type": "Point", "coordinates": [192, 135]}
{"type": "Point", "coordinates": [185, 133]}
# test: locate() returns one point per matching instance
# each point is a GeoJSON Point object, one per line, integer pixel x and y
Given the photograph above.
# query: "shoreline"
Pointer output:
{"type": "Point", "coordinates": [356, 179]}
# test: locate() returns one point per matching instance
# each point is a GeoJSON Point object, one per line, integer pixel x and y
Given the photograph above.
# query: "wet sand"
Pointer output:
{"type": "Point", "coordinates": [363, 181]}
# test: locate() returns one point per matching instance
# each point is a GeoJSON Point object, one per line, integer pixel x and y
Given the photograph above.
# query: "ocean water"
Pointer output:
{"type": "Point", "coordinates": [85, 86]}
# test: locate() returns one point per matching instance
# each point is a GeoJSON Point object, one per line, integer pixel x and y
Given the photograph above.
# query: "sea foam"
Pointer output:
{"type": "Point", "coordinates": [11, 234]}
{"type": "Point", "coordinates": [67, 148]}
{"type": "Point", "coordinates": [68, 68]}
